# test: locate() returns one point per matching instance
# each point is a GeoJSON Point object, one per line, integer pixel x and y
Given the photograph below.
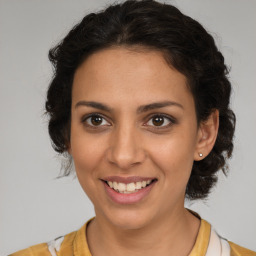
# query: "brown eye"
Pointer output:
{"type": "Point", "coordinates": [96, 120]}
{"type": "Point", "coordinates": [158, 120]}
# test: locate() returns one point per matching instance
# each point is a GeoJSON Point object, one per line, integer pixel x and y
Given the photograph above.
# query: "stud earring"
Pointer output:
{"type": "Point", "coordinates": [200, 154]}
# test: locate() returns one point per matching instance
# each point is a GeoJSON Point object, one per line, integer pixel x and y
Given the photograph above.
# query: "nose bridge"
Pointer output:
{"type": "Point", "coordinates": [126, 149]}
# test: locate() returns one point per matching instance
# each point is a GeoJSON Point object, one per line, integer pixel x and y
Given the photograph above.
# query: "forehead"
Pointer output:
{"type": "Point", "coordinates": [125, 74]}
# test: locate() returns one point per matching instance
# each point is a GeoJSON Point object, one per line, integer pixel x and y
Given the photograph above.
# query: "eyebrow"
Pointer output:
{"type": "Point", "coordinates": [141, 109]}
{"type": "Point", "coordinates": [93, 104]}
{"type": "Point", "coordinates": [156, 105]}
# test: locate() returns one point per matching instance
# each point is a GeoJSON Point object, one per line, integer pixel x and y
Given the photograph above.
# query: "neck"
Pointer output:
{"type": "Point", "coordinates": [174, 234]}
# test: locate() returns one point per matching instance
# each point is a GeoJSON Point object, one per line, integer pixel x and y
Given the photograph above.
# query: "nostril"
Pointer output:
{"type": "Point", "coordinates": [125, 153]}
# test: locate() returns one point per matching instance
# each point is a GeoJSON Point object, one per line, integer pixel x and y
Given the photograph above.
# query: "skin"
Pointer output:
{"type": "Point", "coordinates": [128, 143]}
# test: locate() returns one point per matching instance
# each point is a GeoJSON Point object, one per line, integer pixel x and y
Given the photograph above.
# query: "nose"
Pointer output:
{"type": "Point", "coordinates": [126, 149]}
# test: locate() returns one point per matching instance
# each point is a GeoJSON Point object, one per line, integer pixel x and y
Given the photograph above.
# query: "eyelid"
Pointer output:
{"type": "Point", "coordinates": [170, 118]}
{"type": "Point", "coordinates": [86, 117]}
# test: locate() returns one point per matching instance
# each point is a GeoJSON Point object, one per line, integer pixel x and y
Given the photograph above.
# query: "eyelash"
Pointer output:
{"type": "Point", "coordinates": [85, 118]}
{"type": "Point", "coordinates": [170, 119]}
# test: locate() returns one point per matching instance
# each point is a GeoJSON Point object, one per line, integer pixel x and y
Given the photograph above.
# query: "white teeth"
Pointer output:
{"type": "Point", "coordinates": [110, 183]}
{"type": "Point", "coordinates": [131, 187]}
{"type": "Point", "coordinates": [128, 188]}
{"type": "Point", "coordinates": [143, 183]}
{"type": "Point", "coordinates": [122, 187]}
{"type": "Point", "coordinates": [115, 185]}
{"type": "Point", "coordinates": [138, 185]}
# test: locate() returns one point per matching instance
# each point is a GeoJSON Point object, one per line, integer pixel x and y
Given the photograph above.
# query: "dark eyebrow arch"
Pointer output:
{"type": "Point", "coordinates": [156, 105]}
{"type": "Point", "coordinates": [141, 109]}
{"type": "Point", "coordinates": [93, 104]}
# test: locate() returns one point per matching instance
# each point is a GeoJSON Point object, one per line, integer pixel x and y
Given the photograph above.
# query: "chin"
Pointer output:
{"type": "Point", "coordinates": [128, 219]}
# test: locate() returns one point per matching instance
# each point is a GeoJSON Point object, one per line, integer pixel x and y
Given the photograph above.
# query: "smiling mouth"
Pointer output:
{"type": "Point", "coordinates": [129, 188]}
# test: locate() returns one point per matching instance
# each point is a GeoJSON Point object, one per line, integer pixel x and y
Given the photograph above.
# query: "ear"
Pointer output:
{"type": "Point", "coordinates": [206, 137]}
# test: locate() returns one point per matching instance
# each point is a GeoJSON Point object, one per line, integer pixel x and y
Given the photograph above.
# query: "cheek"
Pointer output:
{"type": "Point", "coordinates": [85, 149]}
{"type": "Point", "coordinates": [173, 159]}
{"type": "Point", "coordinates": [174, 156]}
{"type": "Point", "coordinates": [87, 154]}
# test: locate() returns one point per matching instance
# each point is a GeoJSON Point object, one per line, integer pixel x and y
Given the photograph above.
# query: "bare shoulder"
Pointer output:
{"type": "Point", "coordinates": [236, 250]}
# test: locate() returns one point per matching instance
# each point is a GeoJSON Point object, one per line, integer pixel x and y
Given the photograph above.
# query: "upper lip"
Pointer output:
{"type": "Point", "coordinates": [127, 180]}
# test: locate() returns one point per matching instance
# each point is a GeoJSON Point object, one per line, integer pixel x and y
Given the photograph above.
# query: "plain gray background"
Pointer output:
{"type": "Point", "coordinates": [35, 207]}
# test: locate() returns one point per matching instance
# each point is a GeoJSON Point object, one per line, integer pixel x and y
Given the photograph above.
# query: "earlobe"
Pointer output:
{"type": "Point", "coordinates": [207, 134]}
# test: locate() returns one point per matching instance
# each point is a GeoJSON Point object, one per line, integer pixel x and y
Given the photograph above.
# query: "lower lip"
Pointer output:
{"type": "Point", "coordinates": [131, 198]}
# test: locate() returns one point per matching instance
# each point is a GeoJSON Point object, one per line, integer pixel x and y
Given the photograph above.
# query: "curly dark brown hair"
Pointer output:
{"type": "Point", "coordinates": [186, 46]}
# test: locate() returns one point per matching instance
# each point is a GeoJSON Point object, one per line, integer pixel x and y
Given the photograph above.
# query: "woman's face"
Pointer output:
{"type": "Point", "coordinates": [133, 122]}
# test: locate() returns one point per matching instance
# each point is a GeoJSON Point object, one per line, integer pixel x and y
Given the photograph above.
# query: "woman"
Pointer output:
{"type": "Point", "coordinates": [140, 101]}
